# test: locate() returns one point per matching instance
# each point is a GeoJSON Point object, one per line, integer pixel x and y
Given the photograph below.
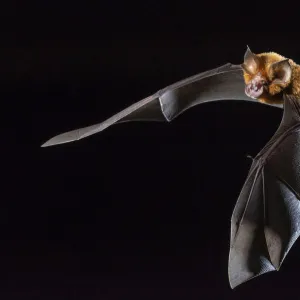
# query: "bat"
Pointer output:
{"type": "Point", "coordinates": [266, 219]}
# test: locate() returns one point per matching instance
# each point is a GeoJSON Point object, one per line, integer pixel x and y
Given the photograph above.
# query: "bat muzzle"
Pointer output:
{"type": "Point", "coordinates": [254, 89]}
{"type": "Point", "coordinates": [256, 86]}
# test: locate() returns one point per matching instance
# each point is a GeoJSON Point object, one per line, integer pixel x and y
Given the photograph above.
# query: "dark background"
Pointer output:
{"type": "Point", "coordinates": [142, 210]}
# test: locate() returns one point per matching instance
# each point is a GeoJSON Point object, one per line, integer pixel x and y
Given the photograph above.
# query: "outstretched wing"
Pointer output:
{"type": "Point", "coordinates": [266, 219]}
{"type": "Point", "coordinates": [223, 83]}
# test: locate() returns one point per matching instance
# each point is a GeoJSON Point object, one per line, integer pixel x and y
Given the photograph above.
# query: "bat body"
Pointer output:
{"type": "Point", "coordinates": [266, 219]}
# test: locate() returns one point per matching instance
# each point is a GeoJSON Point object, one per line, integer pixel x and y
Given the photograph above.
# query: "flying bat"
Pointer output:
{"type": "Point", "coordinates": [266, 219]}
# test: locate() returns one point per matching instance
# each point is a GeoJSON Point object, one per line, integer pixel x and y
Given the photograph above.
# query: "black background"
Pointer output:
{"type": "Point", "coordinates": [142, 210]}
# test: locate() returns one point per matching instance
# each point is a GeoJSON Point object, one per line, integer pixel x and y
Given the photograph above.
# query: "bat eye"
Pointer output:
{"type": "Point", "coordinates": [264, 82]}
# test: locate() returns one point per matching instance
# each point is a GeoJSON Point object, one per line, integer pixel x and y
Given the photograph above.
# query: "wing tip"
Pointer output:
{"type": "Point", "coordinates": [57, 140]}
{"type": "Point", "coordinates": [44, 145]}
{"type": "Point", "coordinates": [52, 142]}
{"type": "Point", "coordinates": [234, 283]}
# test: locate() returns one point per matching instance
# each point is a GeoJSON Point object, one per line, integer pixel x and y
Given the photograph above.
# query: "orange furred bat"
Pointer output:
{"type": "Point", "coordinates": [265, 222]}
{"type": "Point", "coordinates": [268, 74]}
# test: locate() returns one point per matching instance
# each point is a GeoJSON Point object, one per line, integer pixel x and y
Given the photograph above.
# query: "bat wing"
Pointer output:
{"type": "Point", "coordinates": [266, 219]}
{"type": "Point", "coordinates": [223, 83]}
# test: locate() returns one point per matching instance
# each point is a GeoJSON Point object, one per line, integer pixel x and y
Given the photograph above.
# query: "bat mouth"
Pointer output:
{"type": "Point", "coordinates": [254, 89]}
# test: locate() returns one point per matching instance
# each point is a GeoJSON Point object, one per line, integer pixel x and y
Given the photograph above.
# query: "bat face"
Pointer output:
{"type": "Point", "coordinates": [266, 75]}
{"type": "Point", "coordinates": [256, 86]}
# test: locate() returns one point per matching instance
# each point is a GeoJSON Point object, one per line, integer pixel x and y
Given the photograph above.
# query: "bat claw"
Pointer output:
{"type": "Point", "coordinates": [249, 156]}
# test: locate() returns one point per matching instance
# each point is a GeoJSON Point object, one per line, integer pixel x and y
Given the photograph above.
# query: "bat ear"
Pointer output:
{"type": "Point", "coordinates": [251, 62]}
{"type": "Point", "coordinates": [282, 72]}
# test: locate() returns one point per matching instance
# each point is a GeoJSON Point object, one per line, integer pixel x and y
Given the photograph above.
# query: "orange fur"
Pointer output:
{"type": "Point", "coordinates": [274, 94]}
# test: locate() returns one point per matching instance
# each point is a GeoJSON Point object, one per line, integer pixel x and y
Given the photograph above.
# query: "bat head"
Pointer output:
{"type": "Point", "coordinates": [265, 74]}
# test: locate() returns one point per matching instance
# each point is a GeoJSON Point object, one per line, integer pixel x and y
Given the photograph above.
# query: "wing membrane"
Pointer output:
{"type": "Point", "coordinates": [223, 83]}
{"type": "Point", "coordinates": [266, 220]}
